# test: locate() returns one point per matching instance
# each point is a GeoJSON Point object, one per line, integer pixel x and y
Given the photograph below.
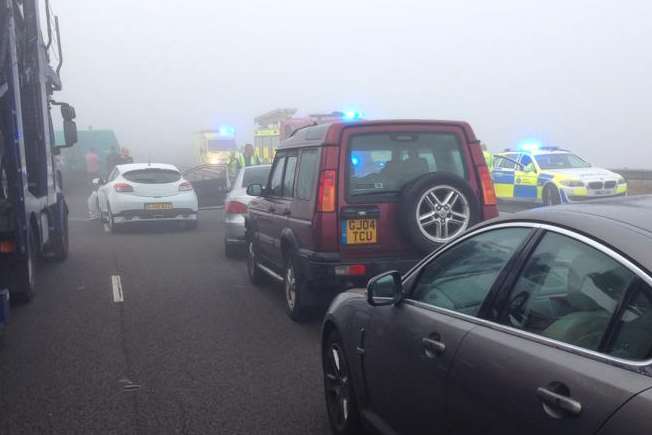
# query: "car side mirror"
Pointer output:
{"type": "Point", "coordinates": [255, 190]}
{"type": "Point", "coordinates": [385, 289]}
{"type": "Point", "coordinates": [96, 182]}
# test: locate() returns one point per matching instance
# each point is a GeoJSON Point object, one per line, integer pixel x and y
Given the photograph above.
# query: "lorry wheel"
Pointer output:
{"type": "Point", "coordinates": [437, 208]}
{"type": "Point", "coordinates": [61, 241]}
{"type": "Point", "coordinates": [21, 280]}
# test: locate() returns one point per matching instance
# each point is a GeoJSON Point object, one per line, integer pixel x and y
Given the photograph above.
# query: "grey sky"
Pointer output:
{"type": "Point", "coordinates": [573, 73]}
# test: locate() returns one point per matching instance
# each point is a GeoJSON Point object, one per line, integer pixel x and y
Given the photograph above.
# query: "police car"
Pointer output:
{"type": "Point", "coordinates": [551, 175]}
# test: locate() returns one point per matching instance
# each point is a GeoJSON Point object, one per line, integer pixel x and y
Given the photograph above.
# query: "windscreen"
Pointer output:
{"type": "Point", "coordinates": [385, 162]}
{"type": "Point", "coordinates": [152, 176]}
{"type": "Point", "coordinates": [221, 145]}
{"type": "Point", "coordinates": [560, 161]}
{"type": "Point", "coordinates": [257, 175]}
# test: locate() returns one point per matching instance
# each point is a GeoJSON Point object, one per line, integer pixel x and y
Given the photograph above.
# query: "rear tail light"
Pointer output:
{"type": "Point", "coordinates": [235, 207]}
{"type": "Point", "coordinates": [185, 186]}
{"type": "Point", "coordinates": [7, 246]}
{"type": "Point", "coordinates": [123, 187]}
{"type": "Point", "coordinates": [326, 195]}
{"type": "Point", "coordinates": [351, 270]}
{"type": "Point", "coordinates": [488, 192]}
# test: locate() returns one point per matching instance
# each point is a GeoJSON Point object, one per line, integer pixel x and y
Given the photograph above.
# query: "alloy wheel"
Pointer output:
{"type": "Point", "coordinates": [290, 287]}
{"type": "Point", "coordinates": [338, 390]}
{"type": "Point", "coordinates": [443, 213]}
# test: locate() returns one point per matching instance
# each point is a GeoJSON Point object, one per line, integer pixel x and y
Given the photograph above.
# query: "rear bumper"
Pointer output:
{"type": "Point", "coordinates": [234, 228]}
{"type": "Point", "coordinates": [174, 214]}
{"type": "Point", "coordinates": [320, 269]}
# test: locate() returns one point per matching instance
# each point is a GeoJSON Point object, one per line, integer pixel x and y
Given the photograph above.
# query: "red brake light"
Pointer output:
{"type": "Point", "coordinates": [326, 195]}
{"type": "Point", "coordinates": [7, 246]}
{"type": "Point", "coordinates": [185, 186]}
{"type": "Point", "coordinates": [123, 187]}
{"type": "Point", "coordinates": [235, 207]}
{"type": "Point", "coordinates": [488, 191]}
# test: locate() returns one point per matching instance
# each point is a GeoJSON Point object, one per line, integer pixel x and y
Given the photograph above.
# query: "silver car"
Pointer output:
{"type": "Point", "coordinates": [236, 203]}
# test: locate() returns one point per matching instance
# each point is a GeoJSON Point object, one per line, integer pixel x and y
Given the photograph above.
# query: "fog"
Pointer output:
{"type": "Point", "coordinates": [575, 74]}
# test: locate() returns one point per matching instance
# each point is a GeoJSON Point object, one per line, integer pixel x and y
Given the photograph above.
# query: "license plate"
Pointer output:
{"type": "Point", "coordinates": [158, 206]}
{"type": "Point", "coordinates": [602, 192]}
{"type": "Point", "coordinates": [359, 231]}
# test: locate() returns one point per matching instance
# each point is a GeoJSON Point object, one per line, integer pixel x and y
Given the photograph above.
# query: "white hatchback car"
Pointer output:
{"type": "Point", "coordinates": [146, 192]}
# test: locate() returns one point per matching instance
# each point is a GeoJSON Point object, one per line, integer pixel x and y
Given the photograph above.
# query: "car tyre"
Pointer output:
{"type": "Point", "coordinates": [113, 226]}
{"type": "Point", "coordinates": [256, 276]}
{"type": "Point", "coordinates": [341, 403]}
{"type": "Point", "coordinates": [551, 195]}
{"type": "Point", "coordinates": [294, 289]}
{"type": "Point", "coordinates": [431, 217]}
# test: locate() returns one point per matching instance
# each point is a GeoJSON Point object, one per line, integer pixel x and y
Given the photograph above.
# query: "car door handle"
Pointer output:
{"type": "Point", "coordinates": [433, 347]}
{"type": "Point", "coordinates": [558, 401]}
{"type": "Point", "coordinates": [271, 209]}
{"type": "Point", "coordinates": [286, 212]}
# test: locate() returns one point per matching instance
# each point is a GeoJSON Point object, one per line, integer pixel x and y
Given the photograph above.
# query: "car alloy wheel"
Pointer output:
{"type": "Point", "coordinates": [290, 287]}
{"type": "Point", "coordinates": [251, 259]}
{"type": "Point", "coordinates": [341, 405]}
{"type": "Point", "coordinates": [443, 213]}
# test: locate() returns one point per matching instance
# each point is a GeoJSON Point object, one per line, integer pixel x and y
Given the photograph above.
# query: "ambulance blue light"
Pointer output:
{"type": "Point", "coordinates": [226, 130]}
{"type": "Point", "coordinates": [355, 161]}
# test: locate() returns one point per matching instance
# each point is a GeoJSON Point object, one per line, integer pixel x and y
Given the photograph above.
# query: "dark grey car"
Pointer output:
{"type": "Point", "coordinates": [537, 323]}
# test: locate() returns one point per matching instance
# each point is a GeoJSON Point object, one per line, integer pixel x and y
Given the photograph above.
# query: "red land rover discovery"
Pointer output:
{"type": "Point", "coordinates": [348, 200]}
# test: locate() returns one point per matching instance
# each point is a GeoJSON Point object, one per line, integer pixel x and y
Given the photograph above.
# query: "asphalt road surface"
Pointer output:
{"type": "Point", "coordinates": [193, 347]}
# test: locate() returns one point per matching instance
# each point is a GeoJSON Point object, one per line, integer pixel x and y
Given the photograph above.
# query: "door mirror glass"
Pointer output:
{"type": "Point", "coordinates": [97, 182]}
{"type": "Point", "coordinates": [385, 289]}
{"type": "Point", "coordinates": [255, 190]}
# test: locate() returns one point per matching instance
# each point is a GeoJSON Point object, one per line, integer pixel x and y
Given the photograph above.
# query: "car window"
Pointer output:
{"type": "Point", "coordinates": [506, 163]}
{"type": "Point", "coordinates": [288, 178]}
{"type": "Point", "coordinates": [113, 175]}
{"type": "Point", "coordinates": [526, 160]}
{"type": "Point", "coordinates": [567, 291]}
{"type": "Point", "coordinates": [255, 175]}
{"type": "Point", "coordinates": [276, 179]}
{"type": "Point", "coordinates": [152, 176]}
{"type": "Point", "coordinates": [385, 162]}
{"type": "Point", "coordinates": [461, 277]}
{"type": "Point", "coordinates": [633, 338]}
{"type": "Point", "coordinates": [307, 177]}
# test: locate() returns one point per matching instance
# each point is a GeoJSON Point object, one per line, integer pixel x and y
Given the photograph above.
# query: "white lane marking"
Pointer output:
{"type": "Point", "coordinates": [118, 296]}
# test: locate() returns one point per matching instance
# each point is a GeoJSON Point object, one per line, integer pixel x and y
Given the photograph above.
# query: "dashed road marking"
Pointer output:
{"type": "Point", "coordinates": [118, 296]}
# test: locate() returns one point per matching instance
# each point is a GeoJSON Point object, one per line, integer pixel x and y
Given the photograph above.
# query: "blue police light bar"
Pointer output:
{"type": "Point", "coordinates": [529, 146]}
{"type": "Point", "coordinates": [226, 130]}
{"type": "Point", "coordinates": [351, 115]}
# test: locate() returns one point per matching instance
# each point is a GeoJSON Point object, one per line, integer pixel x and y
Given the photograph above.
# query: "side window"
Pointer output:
{"type": "Point", "coordinates": [567, 291]}
{"type": "Point", "coordinates": [462, 276]}
{"type": "Point", "coordinates": [288, 178]}
{"type": "Point", "coordinates": [504, 163]}
{"type": "Point", "coordinates": [633, 338]}
{"type": "Point", "coordinates": [113, 175]}
{"type": "Point", "coordinates": [526, 162]}
{"type": "Point", "coordinates": [305, 187]}
{"type": "Point", "coordinates": [276, 179]}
